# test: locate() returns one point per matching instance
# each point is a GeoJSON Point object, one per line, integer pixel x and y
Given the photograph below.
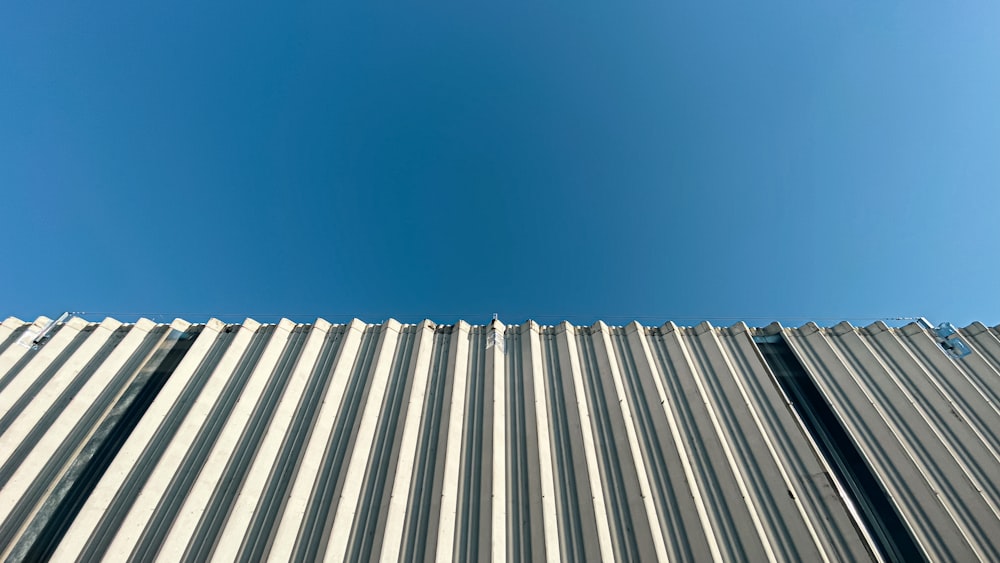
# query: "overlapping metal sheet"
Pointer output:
{"type": "Point", "coordinates": [457, 442]}
{"type": "Point", "coordinates": [927, 425]}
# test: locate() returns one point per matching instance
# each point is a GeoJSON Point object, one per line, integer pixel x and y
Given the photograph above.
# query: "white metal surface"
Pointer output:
{"type": "Point", "coordinates": [414, 442]}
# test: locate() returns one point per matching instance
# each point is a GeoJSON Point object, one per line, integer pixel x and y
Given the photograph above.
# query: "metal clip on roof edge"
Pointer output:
{"type": "Point", "coordinates": [948, 338]}
{"type": "Point", "coordinates": [48, 328]}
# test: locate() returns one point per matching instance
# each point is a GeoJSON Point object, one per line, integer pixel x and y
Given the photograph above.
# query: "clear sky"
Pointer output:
{"type": "Point", "coordinates": [581, 160]}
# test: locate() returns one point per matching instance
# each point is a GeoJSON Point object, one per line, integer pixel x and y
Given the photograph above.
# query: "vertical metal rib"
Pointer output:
{"type": "Point", "coordinates": [64, 502]}
{"type": "Point", "coordinates": [57, 461]}
{"type": "Point", "coordinates": [170, 504]}
{"type": "Point", "coordinates": [14, 410]}
{"type": "Point", "coordinates": [260, 534]}
{"type": "Point", "coordinates": [315, 531]}
{"type": "Point", "coordinates": [206, 535]}
{"type": "Point", "coordinates": [42, 425]}
{"type": "Point", "coordinates": [115, 513]}
{"type": "Point", "coordinates": [424, 506]}
{"type": "Point", "coordinates": [415, 442]}
{"type": "Point", "coordinates": [26, 358]}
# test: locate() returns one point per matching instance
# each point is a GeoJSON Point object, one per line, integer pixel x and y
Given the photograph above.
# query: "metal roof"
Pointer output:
{"type": "Point", "coordinates": [525, 442]}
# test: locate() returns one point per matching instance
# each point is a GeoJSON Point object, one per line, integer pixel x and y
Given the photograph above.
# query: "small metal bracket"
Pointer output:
{"type": "Point", "coordinates": [33, 337]}
{"type": "Point", "coordinates": [495, 338]}
{"type": "Point", "coordinates": [950, 341]}
{"type": "Point", "coordinates": [948, 338]}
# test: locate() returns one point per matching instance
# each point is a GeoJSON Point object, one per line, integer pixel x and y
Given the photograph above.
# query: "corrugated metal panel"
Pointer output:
{"type": "Point", "coordinates": [414, 442]}
{"type": "Point", "coordinates": [925, 423]}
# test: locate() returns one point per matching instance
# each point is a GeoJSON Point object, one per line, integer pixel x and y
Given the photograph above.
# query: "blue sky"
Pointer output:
{"type": "Point", "coordinates": [660, 160]}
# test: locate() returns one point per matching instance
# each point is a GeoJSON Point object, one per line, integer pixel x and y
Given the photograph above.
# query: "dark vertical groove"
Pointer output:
{"type": "Point", "coordinates": [13, 336]}
{"type": "Point", "coordinates": [575, 509]}
{"type": "Point", "coordinates": [220, 505]}
{"type": "Point", "coordinates": [571, 533]}
{"type": "Point", "coordinates": [64, 453]}
{"type": "Point", "coordinates": [470, 499]}
{"type": "Point", "coordinates": [657, 467]}
{"type": "Point", "coordinates": [739, 442]}
{"type": "Point", "coordinates": [609, 457]}
{"type": "Point", "coordinates": [64, 503]}
{"type": "Point", "coordinates": [484, 503]}
{"type": "Point", "coordinates": [28, 443]}
{"type": "Point", "coordinates": [519, 521]}
{"type": "Point", "coordinates": [97, 545]}
{"type": "Point", "coordinates": [878, 512]}
{"type": "Point", "coordinates": [260, 534]}
{"type": "Point", "coordinates": [173, 498]}
{"type": "Point", "coordinates": [318, 520]}
{"type": "Point", "coordinates": [419, 540]}
{"type": "Point", "coordinates": [738, 543]}
{"type": "Point", "coordinates": [370, 503]}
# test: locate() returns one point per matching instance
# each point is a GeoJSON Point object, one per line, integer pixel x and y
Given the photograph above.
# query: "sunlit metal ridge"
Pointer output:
{"type": "Point", "coordinates": [411, 441]}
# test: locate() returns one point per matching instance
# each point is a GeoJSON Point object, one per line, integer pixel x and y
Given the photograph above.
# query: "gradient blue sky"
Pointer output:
{"type": "Point", "coordinates": [580, 160]}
